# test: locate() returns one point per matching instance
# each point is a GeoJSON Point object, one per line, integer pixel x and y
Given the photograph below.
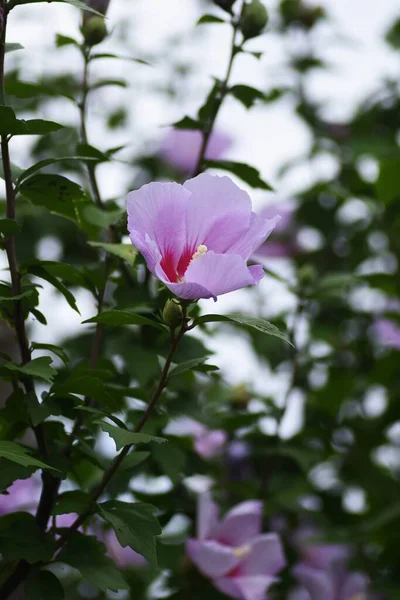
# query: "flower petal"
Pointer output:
{"type": "Point", "coordinates": [220, 273]}
{"type": "Point", "coordinates": [156, 221]}
{"type": "Point", "coordinates": [355, 586]}
{"type": "Point", "coordinates": [258, 231]}
{"type": "Point", "coordinates": [241, 524]}
{"type": "Point", "coordinates": [316, 581]}
{"type": "Point", "coordinates": [207, 516]}
{"type": "Point", "coordinates": [265, 557]}
{"type": "Point", "coordinates": [210, 443]}
{"type": "Point", "coordinates": [218, 214]}
{"type": "Point", "coordinates": [211, 558]}
{"type": "Point", "coordinates": [245, 588]}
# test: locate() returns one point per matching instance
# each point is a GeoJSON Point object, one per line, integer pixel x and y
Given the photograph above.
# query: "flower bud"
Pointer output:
{"type": "Point", "coordinates": [225, 4]}
{"type": "Point", "coordinates": [254, 19]}
{"type": "Point", "coordinates": [240, 396]}
{"type": "Point", "coordinates": [307, 275]}
{"type": "Point", "coordinates": [172, 314]}
{"type": "Point", "coordinates": [94, 30]}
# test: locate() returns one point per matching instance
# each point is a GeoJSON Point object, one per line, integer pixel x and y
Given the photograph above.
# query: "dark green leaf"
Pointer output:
{"type": "Point", "coordinates": [125, 251]}
{"type": "Point", "coordinates": [38, 412]}
{"type": "Point", "coordinates": [135, 525]}
{"type": "Point", "coordinates": [140, 61]}
{"type": "Point", "coordinates": [92, 153]}
{"type": "Point", "coordinates": [124, 437]}
{"type": "Point", "coordinates": [57, 194]}
{"type": "Point", "coordinates": [188, 365]}
{"type": "Point", "coordinates": [210, 19]}
{"type": "Point", "coordinates": [71, 502]}
{"type": "Point", "coordinates": [133, 459]}
{"type": "Point", "coordinates": [246, 173]}
{"type": "Point", "coordinates": [247, 95]}
{"type": "Point", "coordinates": [9, 227]}
{"type": "Point", "coordinates": [89, 386]}
{"type": "Point", "coordinates": [44, 585]}
{"type": "Point", "coordinates": [39, 271]}
{"type": "Point", "coordinates": [188, 123]}
{"type": "Point", "coordinates": [109, 82]}
{"type": "Point", "coordinates": [22, 538]}
{"type": "Point", "coordinates": [123, 317]}
{"type": "Point", "coordinates": [171, 460]}
{"type": "Point", "coordinates": [87, 555]}
{"type": "Point", "coordinates": [65, 40]}
{"type": "Point", "coordinates": [10, 125]}
{"type": "Point", "coordinates": [387, 185]}
{"type": "Point", "coordinates": [38, 367]}
{"type": "Point", "coordinates": [78, 3]}
{"type": "Point", "coordinates": [253, 322]}
{"type": "Point", "coordinates": [101, 218]}
{"type": "Point", "coordinates": [55, 349]}
{"type": "Point", "coordinates": [20, 455]}
{"type": "Point", "coordinates": [49, 161]}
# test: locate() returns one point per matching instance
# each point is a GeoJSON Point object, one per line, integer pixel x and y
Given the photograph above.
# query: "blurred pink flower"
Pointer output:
{"type": "Point", "coordinates": [240, 561]}
{"type": "Point", "coordinates": [197, 237]}
{"type": "Point", "coordinates": [207, 442]}
{"type": "Point", "coordinates": [123, 557]}
{"type": "Point", "coordinates": [281, 248]}
{"type": "Point", "coordinates": [388, 332]}
{"type": "Point", "coordinates": [323, 571]}
{"type": "Point", "coordinates": [22, 495]}
{"type": "Point", "coordinates": [181, 148]}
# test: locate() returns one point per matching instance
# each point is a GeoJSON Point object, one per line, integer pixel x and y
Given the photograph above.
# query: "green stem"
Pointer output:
{"type": "Point", "coordinates": [219, 100]}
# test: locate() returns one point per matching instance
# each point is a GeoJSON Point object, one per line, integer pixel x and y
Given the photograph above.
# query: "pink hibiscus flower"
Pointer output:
{"type": "Point", "coordinates": [197, 237]}
{"type": "Point", "coordinates": [240, 561]}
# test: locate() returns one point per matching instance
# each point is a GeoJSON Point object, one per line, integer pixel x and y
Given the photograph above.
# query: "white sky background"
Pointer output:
{"type": "Point", "coordinates": [265, 137]}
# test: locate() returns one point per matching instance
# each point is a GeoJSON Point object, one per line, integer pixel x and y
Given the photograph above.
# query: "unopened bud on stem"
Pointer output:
{"type": "Point", "coordinates": [254, 19]}
{"type": "Point", "coordinates": [172, 314]}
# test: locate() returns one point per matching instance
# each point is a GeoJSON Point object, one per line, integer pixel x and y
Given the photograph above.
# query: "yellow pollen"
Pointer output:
{"type": "Point", "coordinates": [241, 551]}
{"type": "Point", "coordinates": [202, 249]}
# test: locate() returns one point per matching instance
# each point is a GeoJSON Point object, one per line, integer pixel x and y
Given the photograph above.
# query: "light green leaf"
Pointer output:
{"type": "Point", "coordinates": [124, 437]}
{"type": "Point", "coordinates": [253, 322]}
{"type": "Point", "coordinates": [188, 365]}
{"type": "Point", "coordinates": [209, 19]}
{"type": "Point", "coordinates": [12, 47]}
{"type": "Point", "coordinates": [101, 218]}
{"type": "Point", "coordinates": [135, 526]}
{"type": "Point", "coordinates": [125, 251]}
{"type": "Point", "coordinates": [55, 349]}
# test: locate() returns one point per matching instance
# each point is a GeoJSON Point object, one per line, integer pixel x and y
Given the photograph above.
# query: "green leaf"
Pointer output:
{"type": "Point", "coordinates": [38, 367]}
{"type": "Point", "coordinates": [100, 217]}
{"type": "Point", "coordinates": [39, 271]}
{"type": "Point", "coordinates": [125, 251]}
{"type": "Point", "coordinates": [253, 322]}
{"type": "Point", "coordinates": [20, 455]}
{"type": "Point", "coordinates": [22, 538]}
{"type": "Point", "coordinates": [109, 82]}
{"type": "Point", "coordinates": [38, 412]}
{"type": "Point", "coordinates": [246, 173]}
{"type": "Point", "coordinates": [10, 125]}
{"type": "Point", "coordinates": [57, 194]}
{"type": "Point", "coordinates": [89, 386]}
{"type": "Point", "coordinates": [140, 61]}
{"type": "Point", "coordinates": [49, 161]}
{"type": "Point", "coordinates": [78, 3]}
{"type": "Point", "coordinates": [123, 317]}
{"type": "Point", "coordinates": [65, 40]}
{"type": "Point", "coordinates": [387, 184]}
{"type": "Point", "coordinates": [10, 471]}
{"type": "Point", "coordinates": [188, 365]}
{"type": "Point", "coordinates": [133, 459]}
{"type": "Point", "coordinates": [55, 349]}
{"type": "Point", "coordinates": [135, 525]}
{"type": "Point", "coordinates": [12, 47]}
{"type": "Point", "coordinates": [44, 585]}
{"type": "Point", "coordinates": [247, 95]}
{"type": "Point", "coordinates": [9, 227]}
{"type": "Point", "coordinates": [124, 437]}
{"type": "Point", "coordinates": [91, 152]}
{"type": "Point", "coordinates": [210, 19]}
{"type": "Point", "coordinates": [188, 123]}
{"type": "Point", "coordinates": [87, 555]}
{"type": "Point", "coordinates": [71, 502]}
{"type": "Point", "coordinates": [171, 460]}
